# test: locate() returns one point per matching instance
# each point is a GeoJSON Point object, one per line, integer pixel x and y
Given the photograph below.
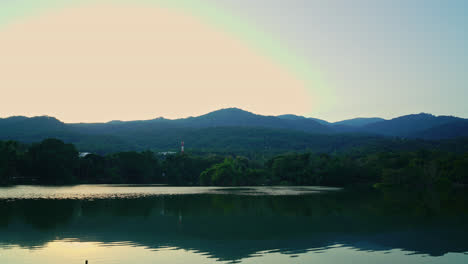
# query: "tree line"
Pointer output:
{"type": "Point", "coordinates": [54, 162]}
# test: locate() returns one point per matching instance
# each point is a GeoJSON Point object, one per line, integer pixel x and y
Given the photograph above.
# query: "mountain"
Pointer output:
{"type": "Point", "coordinates": [29, 128]}
{"type": "Point", "coordinates": [223, 130]}
{"type": "Point", "coordinates": [409, 125]}
{"type": "Point", "coordinates": [293, 117]}
{"type": "Point", "coordinates": [296, 117]}
{"type": "Point", "coordinates": [230, 117]}
{"type": "Point", "coordinates": [358, 122]}
{"type": "Point", "coordinates": [38, 123]}
{"type": "Point", "coordinates": [238, 131]}
{"type": "Point", "coordinates": [455, 129]}
{"type": "Point", "coordinates": [234, 117]}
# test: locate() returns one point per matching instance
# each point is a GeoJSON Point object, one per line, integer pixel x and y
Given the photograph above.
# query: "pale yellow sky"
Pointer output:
{"type": "Point", "coordinates": [102, 63]}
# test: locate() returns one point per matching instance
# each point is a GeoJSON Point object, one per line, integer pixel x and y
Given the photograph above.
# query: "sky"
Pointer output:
{"type": "Point", "coordinates": [102, 60]}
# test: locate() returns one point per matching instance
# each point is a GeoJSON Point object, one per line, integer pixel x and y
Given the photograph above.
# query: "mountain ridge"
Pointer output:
{"type": "Point", "coordinates": [360, 121]}
{"type": "Point", "coordinates": [234, 127]}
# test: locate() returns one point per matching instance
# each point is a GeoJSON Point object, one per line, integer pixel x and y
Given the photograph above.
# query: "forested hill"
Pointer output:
{"type": "Point", "coordinates": [411, 125]}
{"type": "Point", "coordinates": [238, 131]}
{"type": "Point", "coordinates": [231, 117]}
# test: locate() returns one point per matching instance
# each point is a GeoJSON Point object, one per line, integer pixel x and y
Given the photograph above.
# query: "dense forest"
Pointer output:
{"type": "Point", "coordinates": [243, 133]}
{"type": "Point", "coordinates": [54, 162]}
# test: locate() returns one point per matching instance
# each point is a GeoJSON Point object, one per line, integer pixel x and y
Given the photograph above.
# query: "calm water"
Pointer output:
{"type": "Point", "coordinates": [156, 224]}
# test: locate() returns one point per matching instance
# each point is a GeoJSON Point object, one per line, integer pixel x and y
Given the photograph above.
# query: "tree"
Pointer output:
{"type": "Point", "coordinates": [231, 172]}
{"type": "Point", "coordinates": [9, 161]}
{"type": "Point", "coordinates": [185, 169]}
{"type": "Point", "coordinates": [53, 162]}
{"type": "Point", "coordinates": [134, 167]}
{"type": "Point", "coordinates": [93, 169]}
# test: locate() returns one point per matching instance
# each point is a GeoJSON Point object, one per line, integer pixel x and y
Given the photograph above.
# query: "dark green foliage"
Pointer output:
{"type": "Point", "coordinates": [94, 169]}
{"type": "Point", "coordinates": [321, 169]}
{"type": "Point", "coordinates": [231, 172]}
{"type": "Point", "coordinates": [459, 170]}
{"type": "Point", "coordinates": [54, 162]}
{"type": "Point", "coordinates": [290, 169]}
{"type": "Point", "coordinates": [134, 167]}
{"type": "Point", "coordinates": [455, 129]}
{"type": "Point", "coordinates": [184, 169]}
{"type": "Point", "coordinates": [9, 161]}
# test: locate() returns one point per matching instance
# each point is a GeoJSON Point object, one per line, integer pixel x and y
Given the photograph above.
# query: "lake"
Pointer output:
{"type": "Point", "coordinates": [158, 224]}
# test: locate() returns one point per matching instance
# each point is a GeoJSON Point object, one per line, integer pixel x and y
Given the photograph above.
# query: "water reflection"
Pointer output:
{"type": "Point", "coordinates": [231, 227]}
{"type": "Point", "coordinates": [137, 191]}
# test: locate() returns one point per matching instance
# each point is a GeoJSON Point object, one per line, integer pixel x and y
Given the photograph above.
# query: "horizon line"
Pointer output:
{"type": "Point", "coordinates": [220, 109]}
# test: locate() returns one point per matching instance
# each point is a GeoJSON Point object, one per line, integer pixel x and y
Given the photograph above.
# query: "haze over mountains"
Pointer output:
{"type": "Point", "coordinates": [230, 128]}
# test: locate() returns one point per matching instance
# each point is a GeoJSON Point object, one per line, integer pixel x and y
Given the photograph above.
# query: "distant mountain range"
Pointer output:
{"type": "Point", "coordinates": [355, 122]}
{"type": "Point", "coordinates": [233, 127]}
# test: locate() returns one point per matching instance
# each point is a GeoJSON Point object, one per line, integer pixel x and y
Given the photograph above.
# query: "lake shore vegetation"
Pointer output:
{"type": "Point", "coordinates": [53, 162]}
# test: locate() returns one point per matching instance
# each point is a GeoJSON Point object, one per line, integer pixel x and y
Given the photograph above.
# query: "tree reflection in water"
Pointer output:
{"type": "Point", "coordinates": [233, 227]}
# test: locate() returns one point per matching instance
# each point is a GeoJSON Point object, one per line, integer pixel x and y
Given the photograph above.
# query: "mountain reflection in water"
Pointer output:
{"type": "Point", "coordinates": [226, 226]}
